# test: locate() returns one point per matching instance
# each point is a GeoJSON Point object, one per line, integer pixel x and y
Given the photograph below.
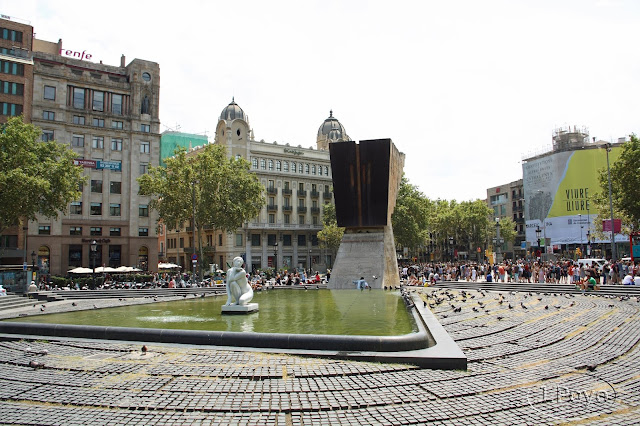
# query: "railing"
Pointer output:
{"type": "Point", "coordinates": [286, 191]}
{"type": "Point", "coordinates": [287, 208]}
{"type": "Point", "coordinates": [326, 195]}
{"type": "Point", "coordinates": [315, 209]}
{"type": "Point", "coordinates": [302, 209]}
{"type": "Point", "coordinates": [302, 192]}
{"type": "Point", "coordinates": [272, 207]}
{"type": "Point", "coordinates": [315, 194]}
{"type": "Point", "coordinates": [272, 190]}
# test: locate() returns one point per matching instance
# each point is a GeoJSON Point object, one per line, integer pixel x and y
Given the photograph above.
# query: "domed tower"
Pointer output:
{"type": "Point", "coordinates": [233, 130]}
{"type": "Point", "coordinates": [331, 131]}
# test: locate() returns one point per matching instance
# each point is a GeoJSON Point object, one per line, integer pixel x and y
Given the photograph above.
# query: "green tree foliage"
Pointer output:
{"type": "Point", "coordinates": [223, 190]}
{"type": "Point", "coordinates": [331, 234]}
{"type": "Point", "coordinates": [35, 177]}
{"type": "Point", "coordinates": [507, 229]}
{"type": "Point", "coordinates": [625, 188]}
{"type": "Point", "coordinates": [411, 216]}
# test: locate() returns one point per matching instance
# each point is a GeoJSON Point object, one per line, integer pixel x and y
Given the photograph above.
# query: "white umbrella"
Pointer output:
{"type": "Point", "coordinates": [81, 270]}
{"type": "Point", "coordinates": [123, 269]}
{"type": "Point", "coordinates": [102, 269]}
{"type": "Point", "coordinates": [135, 270]}
{"type": "Point", "coordinates": [167, 266]}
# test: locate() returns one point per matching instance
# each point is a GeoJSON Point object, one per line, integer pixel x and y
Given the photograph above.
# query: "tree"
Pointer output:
{"type": "Point", "coordinates": [410, 219]}
{"type": "Point", "coordinates": [625, 188]}
{"type": "Point", "coordinates": [35, 177]}
{"type": "Point", "coordinates": [331, 234]}
{"type": "Point", "coordinates": [221, 190]}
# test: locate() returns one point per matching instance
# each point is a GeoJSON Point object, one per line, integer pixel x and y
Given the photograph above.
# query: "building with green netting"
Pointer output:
{"type": "Point", "coordinates": [171, 140]}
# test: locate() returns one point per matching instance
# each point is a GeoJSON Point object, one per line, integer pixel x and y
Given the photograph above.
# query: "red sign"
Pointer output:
{"type": "Point", "coordinates": [617, 225]}
{"type": "Point", "coordinates": [84, 163]}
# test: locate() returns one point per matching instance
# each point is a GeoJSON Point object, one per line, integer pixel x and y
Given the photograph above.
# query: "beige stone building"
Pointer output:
{"type": "Point", "coordinates": [297, 183]}
{"type": "Point", "coordinates": [109, 116]}
{"type": "Point", "coordinates": [508, 201]}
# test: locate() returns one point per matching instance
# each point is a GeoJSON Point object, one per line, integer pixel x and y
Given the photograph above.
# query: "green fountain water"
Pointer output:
{"type": "Point", "coordinates": [342, 312]}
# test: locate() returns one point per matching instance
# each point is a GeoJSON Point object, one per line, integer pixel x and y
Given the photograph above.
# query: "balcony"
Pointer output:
{"type": "Point", "coordinates": [272, 190]}
{"type": "Point", "coordinates": [272, 207]}
{"type": "Point", "coordinates": [315, 210]}
{"type": "Point", "coordinates": [302, 193]}
{"type": "Point", "coordinates": [302, 209]}
{"type": "Point", "coordinates": [287, 208]}
{"type": "Point", "coordinates": [315, 194]}
{"type": "Point", "coordinates": [286, 191]}
{"type": "Point", "coordinates": [326, 195]}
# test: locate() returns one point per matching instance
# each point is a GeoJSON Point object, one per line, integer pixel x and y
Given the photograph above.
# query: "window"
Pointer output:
{"type": "Point", "coordinates": [8, 67]}
{"type": "Point", "coordinates": [301, 219]}
{"type": "Point", "coordinates": [293, 167]}
{"type": "Point", "coordinates": [76, 207]}
{"type": "Point", "coordinates": [115, 232]}
{"type": "Point", "coordinates": [13, 110]}
{"type": "Point", "coordinates": [306, 168]}
{"type": "Point", "coordinates": [44, 230]}
{"type": "Point", "coordinates": [98, 101]}
{"type": "Point", "coordinates": [97, 142]}
{"type": "Point", "coordinates": [285, 166]}
{"type": "Point", "coordinates": [286, 240]}
{"type": "Point", "coordinates": [96, 209]}
{"type": "Point", "coordinates": [271, 184]}
{"type": "Point", "coordinates": [116, 124]}
{"type": "Point", "coordinates": [47, 135]}
{"type": "Point", "coordinates": [145, 128]}
{"type": "Point", "coordinates": [302, 240]}
{"type": "Point", "coordinates": [75, 255]}
{"type": "Point", "coordinates": [254, 163]}
{"type": "Point", "coordinates": [255, 240]}
{"type": "Point", "coordinates": [75, 230]}
{"type": "Point", "coordinates": [116, 104]}
{"type": "Point", "coordinates": [114, 209]}
{"type": "Point", "coordinates": [115, 187]}
{"type": "Point", "coordinates": [272, 218]}
{"type": "Point", "coordinates": [77, 141]}
{"type": "Point", "coordinates": [144, 168]}
{"type": "Point", "coordinates": [320, 170]}
{"type": "Point", "coordinates": [78, 119]}
{"type": "Point", "coordinates": [219, 239]}
{"type": "Point", "coordinates": [78, 98]}
{"type": "Point", "coordinates": [48, 115]}
{"type": "Point", "coordinates": [278, 165]}
{"type": "Point", "coordinates": [143, 232]}
{"type": "Point", "coordinates": [12, 35]}
{"type": "Point", "coordinates": [326, 170]}
{"type": "Point", "coordinates": [315, 220]}
{"type": "Point", "coordinates": [287, 218]}
{"type": "Point", "coordinates": [143, 210]}
{"type": "Point", "coordinates": [313, 169]}
{"type": "Point", "coordinates": [300, 202]}
{"type": "Point", "coordinates": [98, 122]}
{"type": "Point", "coordinates": [300, 168]}
{"type": "Point", "coordinates": [300, 186]}
{"type": "Point", "coordinates": [50, 93]}
{"type": "Point", "coordinates": [270, 165]}
{"type": "Point", "coordinates": [238, 240]}
{"type": "Point", "coordinates": [145, 147]}
{"type": "Point", "coordinates": [263, 164]}
{"type": "Point", "coordinates": [116, 144]}
{"type": "Point", "coordinates": [96, 230]}
{"type": "Point", "coordinates": [96, 186]}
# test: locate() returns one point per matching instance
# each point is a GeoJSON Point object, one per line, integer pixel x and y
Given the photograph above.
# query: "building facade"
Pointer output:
{"type": "Point", "coordinates": [109, 116]}
{"type": "Point", "coordinates": [508, 201]}
{"type": "Point", "coordinates": [297, 184]}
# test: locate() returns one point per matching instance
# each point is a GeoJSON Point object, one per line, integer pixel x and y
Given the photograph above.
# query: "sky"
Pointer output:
{"type": "Point", "coordinates": [465, 88]}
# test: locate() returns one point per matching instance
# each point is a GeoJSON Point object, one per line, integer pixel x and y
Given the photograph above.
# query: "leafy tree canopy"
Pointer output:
{"type": "Point", "coordinates": [35, 177]}
{"type": "Point", "coordinates": [223, 190]}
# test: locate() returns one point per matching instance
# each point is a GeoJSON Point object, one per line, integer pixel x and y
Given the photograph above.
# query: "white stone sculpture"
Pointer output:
{"type": "Point", "coordinates": [239, 291]}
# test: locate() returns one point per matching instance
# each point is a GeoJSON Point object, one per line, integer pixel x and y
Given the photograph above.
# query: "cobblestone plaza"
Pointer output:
{"type": "Point", "coordinates": [533, 358]}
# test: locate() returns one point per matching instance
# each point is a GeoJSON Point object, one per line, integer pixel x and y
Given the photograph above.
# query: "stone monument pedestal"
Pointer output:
{"type": "Point", "coordinates": [240, 309]}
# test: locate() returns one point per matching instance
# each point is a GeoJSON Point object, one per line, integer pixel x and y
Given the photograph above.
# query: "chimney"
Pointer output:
{"type": "Point", "coordinates": [122, 60]}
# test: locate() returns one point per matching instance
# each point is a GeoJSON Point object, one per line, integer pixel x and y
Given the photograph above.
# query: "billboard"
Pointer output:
{"type": "Point", "coordinates": [557, 192]}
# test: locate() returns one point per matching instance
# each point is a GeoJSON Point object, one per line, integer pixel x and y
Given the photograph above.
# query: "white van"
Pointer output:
{"type": "Point", "coordinates": [598, 262]}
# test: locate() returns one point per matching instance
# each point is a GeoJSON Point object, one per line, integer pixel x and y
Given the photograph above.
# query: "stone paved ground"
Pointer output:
{"type": "Point", "coordinates": [533, 359]}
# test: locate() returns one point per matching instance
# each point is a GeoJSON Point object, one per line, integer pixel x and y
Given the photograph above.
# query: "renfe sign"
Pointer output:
{"type": "Point", "coordinates": [82, 55]}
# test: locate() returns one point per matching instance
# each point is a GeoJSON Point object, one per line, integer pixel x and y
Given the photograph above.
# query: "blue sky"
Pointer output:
{"type": "Point", "coordinates": [464, 88]}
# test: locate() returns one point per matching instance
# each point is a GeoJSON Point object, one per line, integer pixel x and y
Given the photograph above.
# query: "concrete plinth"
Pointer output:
{"type": "Point", "coordinates": [240, 309]}
{"type": "Point", "coordinates": [366, 253]}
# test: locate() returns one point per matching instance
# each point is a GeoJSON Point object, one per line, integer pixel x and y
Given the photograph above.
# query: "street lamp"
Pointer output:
{"type": "Point", "coordinates": [33, 264]}
{"type": "Point", "coordinates": [607, 147]}
{"type": "Point", "coordinates": [581, 226]}
{"type": "Point", "coordinates": [275, 260]}
{"type": "Point", "coordinates": [588, 243]}
{"type": "Point", "coordinates": [451, 249]}
{"type": "Point", "coordinates": [538, 232]}
{"type": "Point", "coordinates": [309, 260]}
{"type": "Point", "coordinates": [498, 241]}
{"type": "Point", "coordinates": [94, 248]}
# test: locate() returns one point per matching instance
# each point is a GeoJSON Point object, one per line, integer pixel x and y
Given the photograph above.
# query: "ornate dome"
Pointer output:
{"type": "Point", "coordinates": [332, 131]}
{"type": "Point", "coordinates": [232, 112]}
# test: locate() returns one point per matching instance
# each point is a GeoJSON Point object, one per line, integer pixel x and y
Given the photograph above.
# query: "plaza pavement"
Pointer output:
{"type": "Point", "coordinates": [534, 358]}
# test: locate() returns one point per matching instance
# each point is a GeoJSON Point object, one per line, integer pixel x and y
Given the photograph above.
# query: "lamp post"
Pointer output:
{"type": "Point", "coordinates": [193, 229]}
{"type": "Point", "coordinates": [94, 249]}
{"type": "Point", "coordinates": [275, 255]}
{"type": "Point", "coordinates": [309, 260]}
{"type": "Point", "coordinates": [588, 243]}
{"type": "Point", "coordinates": [498, 242]}
{"type": "Point", "coordinates": [607, 147]}
{"type": "Point", "coordinates": [33, 265]}
{"type": "Point", "coordinates": [538, 232]}
{"type": "Point", "coordinates": [451, 249]}
{"type": "Point", "coordinates": [581, 226]}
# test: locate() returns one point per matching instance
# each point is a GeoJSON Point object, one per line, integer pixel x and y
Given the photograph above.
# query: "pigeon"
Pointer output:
{"type": "Point", "coordinates": [42, 309]}
{"type": "Point", "coordinates": [144, 349]}
{"type": "Point", "coordinates": [458, 309]}
{"type": "Point", "coordinates": [475, 309]}
{"type": "Point", "coordinates": [35, 364]}
{"type": "Point", "coordinates": [546, 307]}
{"type": "Point", "coordinates": [74, 304]}
{"type": "Point", "coordinates": [425, 303]}
{"type": "Point", "coordinates": [499, 318]}
{"type": "Point", "coordinates": [95, 307]}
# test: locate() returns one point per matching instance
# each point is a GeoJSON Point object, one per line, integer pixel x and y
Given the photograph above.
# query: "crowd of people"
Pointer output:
{"type": "Point", "coordinates": [522, 271]}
